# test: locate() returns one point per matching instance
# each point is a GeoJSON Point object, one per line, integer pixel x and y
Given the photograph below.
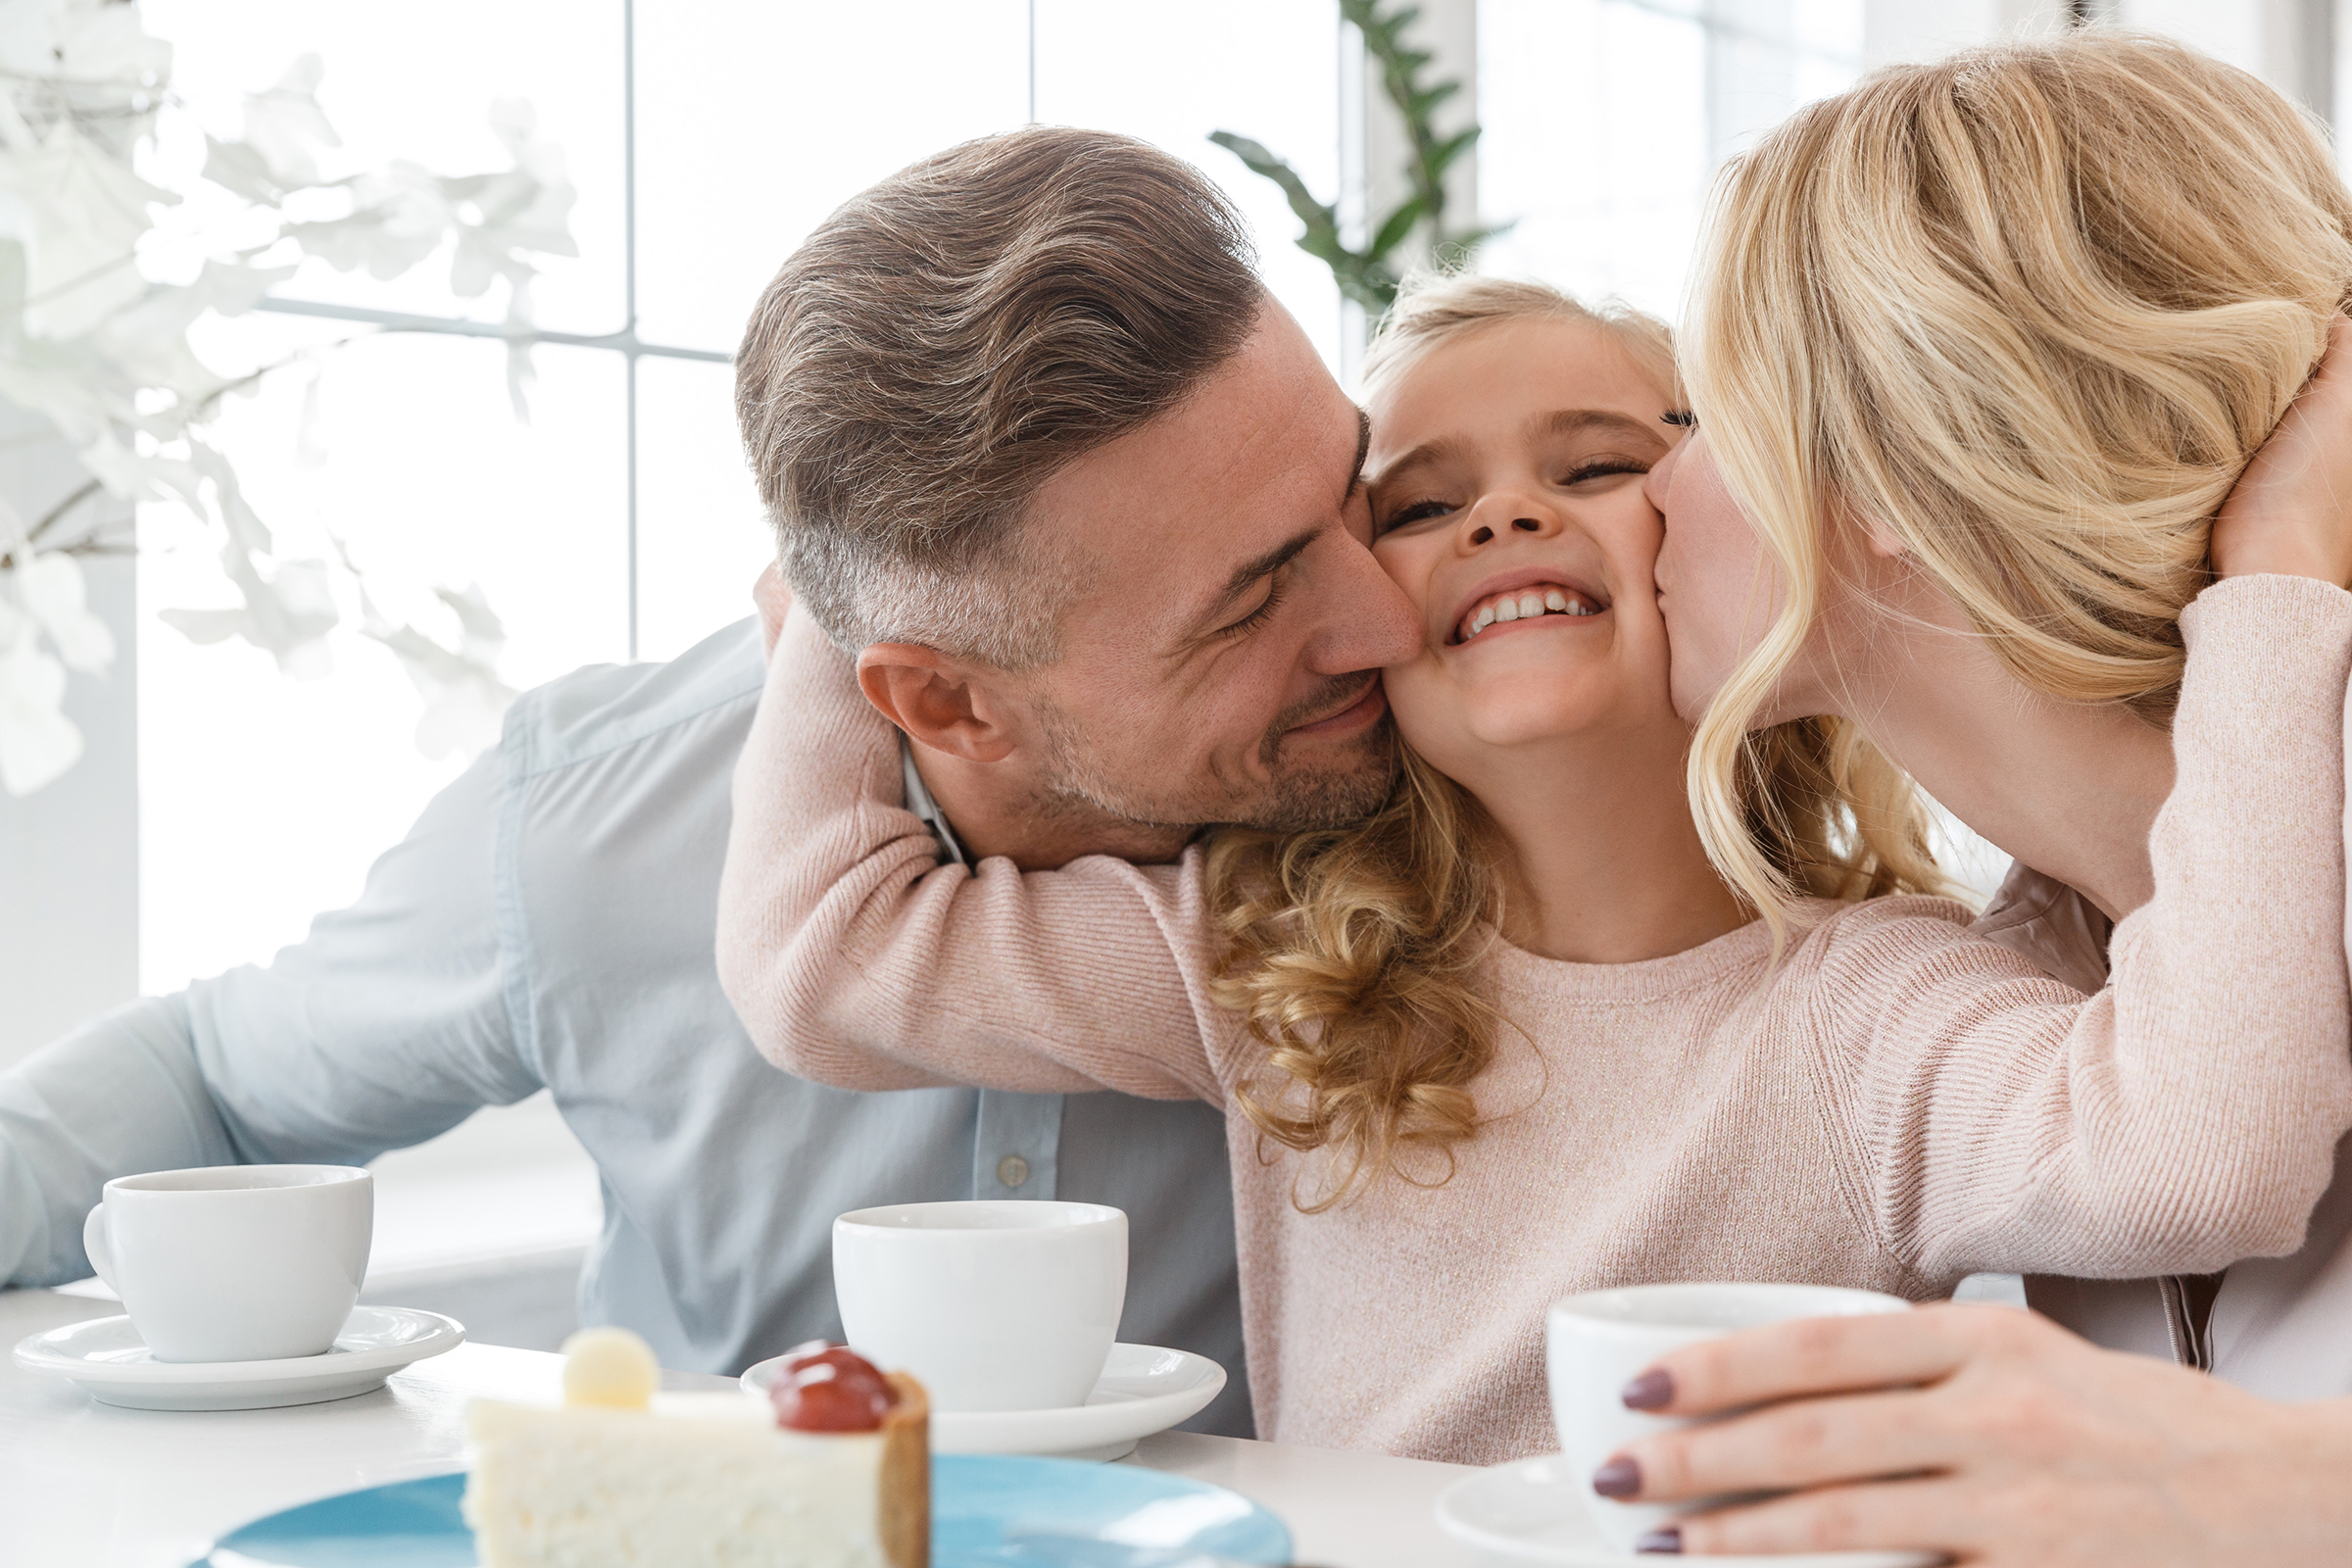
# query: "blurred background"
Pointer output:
{"type": "Point", "coordinates": [219, 801]}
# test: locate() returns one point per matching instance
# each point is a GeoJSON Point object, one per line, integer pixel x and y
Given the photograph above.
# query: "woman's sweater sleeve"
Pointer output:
{"type": "Point", "coordinates": [855, 959]}
{"type": "Point", "coordinates": [2184, 1117]}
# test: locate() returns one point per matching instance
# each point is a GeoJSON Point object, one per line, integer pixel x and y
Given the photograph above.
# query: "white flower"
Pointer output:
{"type": "Point", "coordinates": [88, 42]}
{"type": "Point", "coordinates": [287, 614]}
{"type": "Point", "coordinates": [37, 741]}
{"type": "Point", "coordinates": [398, 218]}
{"type": "Point", "coordinates": [76, 213]}
{"type": "Point", "coordinates": [465, 700]}
{"type": "Point", "coordinates": [103, 354]}
{"type": "Point", "coordinates": [52, 591]}
{"type": "Point", "coordinates": [285, 123]}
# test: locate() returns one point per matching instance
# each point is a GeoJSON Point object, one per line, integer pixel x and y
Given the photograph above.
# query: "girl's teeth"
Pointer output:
{"type": "Point", "coordinates": [1526, 606]}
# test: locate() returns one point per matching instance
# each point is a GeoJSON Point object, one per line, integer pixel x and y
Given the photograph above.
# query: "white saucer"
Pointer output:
{"type": "Point", "coordinates": [1143, 1389]}
{"type": "Point", "coordinates": [108, 1362]}
{"type": "Point", "coordinates": [1533, 1512]}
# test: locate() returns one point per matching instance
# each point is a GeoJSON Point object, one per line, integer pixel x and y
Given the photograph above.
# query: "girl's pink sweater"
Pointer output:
{"type": "Point", "coordinates": [1895, 1106]}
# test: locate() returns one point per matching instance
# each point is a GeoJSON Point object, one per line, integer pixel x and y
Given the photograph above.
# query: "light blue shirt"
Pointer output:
{"type": "Point", "coordinates": [549, 923]}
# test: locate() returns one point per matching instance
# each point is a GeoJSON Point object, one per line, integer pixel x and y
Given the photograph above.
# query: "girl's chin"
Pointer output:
{"type": "Point", "coordinates": [1468, 736]}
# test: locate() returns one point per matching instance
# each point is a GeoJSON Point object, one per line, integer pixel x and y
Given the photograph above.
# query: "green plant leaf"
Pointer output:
{"type": "Point", "coordinates": [1314, 214]}
{"type": "Point", "coordinates": [1366, 276]}
{"type": "Point", "coordinates": [1442, 156]}
{"type": "Point", "coordinates": [1400, 223]}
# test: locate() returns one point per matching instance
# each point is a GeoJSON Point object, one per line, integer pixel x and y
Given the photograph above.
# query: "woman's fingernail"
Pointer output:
{"type": "Point", "coordinates": [1651, 1391]}
{"type": "Point", "coordinates": [1667, 1541]}
{"type": "Point", "coordinates": [1619, 1478]}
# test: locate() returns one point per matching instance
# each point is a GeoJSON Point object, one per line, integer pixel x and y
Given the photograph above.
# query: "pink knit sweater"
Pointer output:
{"type": "Point", "coordinates": [1898, 1103]}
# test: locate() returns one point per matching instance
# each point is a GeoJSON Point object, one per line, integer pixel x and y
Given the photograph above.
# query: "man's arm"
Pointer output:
{"type": "Point", "coordinates": [122, 1093]}
{"type": "Point", "coordinates": [388, 1024]}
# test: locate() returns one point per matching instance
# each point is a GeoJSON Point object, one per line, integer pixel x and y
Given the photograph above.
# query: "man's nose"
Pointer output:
{"type": "Point", "coordinates": [1372, 624]}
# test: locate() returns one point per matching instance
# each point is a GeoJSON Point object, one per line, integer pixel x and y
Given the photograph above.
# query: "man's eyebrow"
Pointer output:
{"type": "Point", "coordinates": [1254, 571]}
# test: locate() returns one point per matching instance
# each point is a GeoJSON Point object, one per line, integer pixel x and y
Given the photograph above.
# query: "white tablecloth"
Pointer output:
{"type": "Point", "coordinates": [86, 1486]}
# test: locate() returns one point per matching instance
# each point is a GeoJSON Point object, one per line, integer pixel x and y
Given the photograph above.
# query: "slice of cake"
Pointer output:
{"type": "Point", "coordinates": [832, 1471]}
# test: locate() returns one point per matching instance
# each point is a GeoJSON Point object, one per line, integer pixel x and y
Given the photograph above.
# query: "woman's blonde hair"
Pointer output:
{"type": "Point", "coordinates": [1353, 950]}
{"type": "Point", "coordinates": [2029, 310]}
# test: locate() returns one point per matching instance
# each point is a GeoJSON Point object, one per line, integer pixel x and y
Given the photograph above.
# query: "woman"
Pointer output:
{"type": "Point", "coordinates": [1513, 1037]}
{"type": "Point", "coordinates": [1979, 349]}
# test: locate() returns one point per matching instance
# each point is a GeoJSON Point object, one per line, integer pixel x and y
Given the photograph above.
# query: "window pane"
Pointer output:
{"type": "Point", "coordinates": [701, 536]}
{"type": "Point", "coordinates": [264, 798]}
{"type": "Point", "coordinates": [1604, 119]}
{"type": "Point", "coordinates": [1171, 75]}
{"type": "Point", "coordinates": [416, 80]}
{"type": "Point", "coordinates": [755, 119]}
{"type": "Point", "coordinates": [1830, 28]}
{"type": "Point", "coordinates": [1595, 119]}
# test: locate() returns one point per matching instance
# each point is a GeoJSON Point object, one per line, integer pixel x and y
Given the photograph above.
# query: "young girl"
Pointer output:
{"type": "Point", "coordinates": [1513, 1038]}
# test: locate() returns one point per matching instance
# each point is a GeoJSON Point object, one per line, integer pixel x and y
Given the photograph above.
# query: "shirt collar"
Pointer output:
{"type": "Point", "coordinates": [920, 802]}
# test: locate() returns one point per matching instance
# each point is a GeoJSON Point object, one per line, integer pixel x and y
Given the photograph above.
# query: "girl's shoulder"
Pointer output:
{"type": "Point", "coordinates": [1832, 920]}
{"type": "Point", "coordinates": [1899, 938]}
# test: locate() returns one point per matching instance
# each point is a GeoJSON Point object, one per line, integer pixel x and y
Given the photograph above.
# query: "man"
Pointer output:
{"type": "Point", "coordinates": [1054, 323]}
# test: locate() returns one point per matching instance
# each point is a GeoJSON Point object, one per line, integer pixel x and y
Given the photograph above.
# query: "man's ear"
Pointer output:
{"type": "Point", "coordinates": [940, 702]}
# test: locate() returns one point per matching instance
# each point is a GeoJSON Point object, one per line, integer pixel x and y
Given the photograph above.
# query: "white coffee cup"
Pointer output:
{"type": "Point", "coordinates": [994, 1305]}
{"type": "Point", "coordinates": [1602, 1340]}
{"type": "Point", "coordinates": [235, 1263]}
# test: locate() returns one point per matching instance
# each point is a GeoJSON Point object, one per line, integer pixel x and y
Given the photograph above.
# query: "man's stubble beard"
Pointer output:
{"type": "Point", "coordinates": [1346, 786]}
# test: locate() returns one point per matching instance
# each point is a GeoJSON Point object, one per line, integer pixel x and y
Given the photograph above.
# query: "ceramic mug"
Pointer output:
{"type": "Point", "coordinates": [1598, 1341]}
{"type": "Point", "coordinates": [235, 1263]}
{"type": "Point", "coordinates": [995, 1305]}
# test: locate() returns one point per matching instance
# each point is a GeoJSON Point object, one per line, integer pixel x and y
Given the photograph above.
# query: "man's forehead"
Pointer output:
{"type": "Point", "coordinates": [1267, 447]}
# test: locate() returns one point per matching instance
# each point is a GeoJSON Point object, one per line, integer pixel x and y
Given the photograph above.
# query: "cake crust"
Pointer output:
{"type": "Point", "coordinates": [906, 1494]}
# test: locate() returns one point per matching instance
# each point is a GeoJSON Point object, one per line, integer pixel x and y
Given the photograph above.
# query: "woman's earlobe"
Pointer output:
{"type": "Point", "coordinates": [1879, 539]}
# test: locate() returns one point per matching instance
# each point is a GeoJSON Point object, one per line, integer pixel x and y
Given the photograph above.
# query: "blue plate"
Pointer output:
{"type": "Point", "coordinates": [975, 1500]}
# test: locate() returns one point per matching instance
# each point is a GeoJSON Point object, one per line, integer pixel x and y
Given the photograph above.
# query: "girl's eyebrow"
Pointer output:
{"type": "Point", "coordinates": [1576, 421]}
{"type": "Point", "coordinates": [1556, 422]}
{"type": "Point", "coordinates": [1433, 453]}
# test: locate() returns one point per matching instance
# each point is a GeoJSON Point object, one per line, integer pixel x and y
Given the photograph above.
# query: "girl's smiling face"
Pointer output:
{"type": "Point", "coordinates": [1507, 502]}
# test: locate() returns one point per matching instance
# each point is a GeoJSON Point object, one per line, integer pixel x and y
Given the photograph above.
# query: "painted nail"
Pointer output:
{"type": "Point", "coordinates": [1666, 1543]}
{"type": "Point", "coordinates": [1619, 1478]}
{"type": "Point", "coordinates": [1651, 1391]}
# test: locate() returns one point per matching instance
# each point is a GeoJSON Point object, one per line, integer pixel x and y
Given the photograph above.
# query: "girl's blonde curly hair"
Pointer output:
{"type": "Point", "coordinates": [1354, 952]}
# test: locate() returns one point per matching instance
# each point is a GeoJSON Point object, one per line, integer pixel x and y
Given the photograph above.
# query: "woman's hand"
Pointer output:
{"type": "Point", "coordinates": [1994, 1436]}
{"type": "Point", "coordinates": [2291, 511]}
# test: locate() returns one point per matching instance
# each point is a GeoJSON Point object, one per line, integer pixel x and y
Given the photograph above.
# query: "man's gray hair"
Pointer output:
{"type": "Point", "coordinates": [945, 343]}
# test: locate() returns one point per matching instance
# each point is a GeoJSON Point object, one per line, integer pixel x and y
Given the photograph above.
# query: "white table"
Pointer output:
{"type": "Point", "coordinates": [86, 1486]}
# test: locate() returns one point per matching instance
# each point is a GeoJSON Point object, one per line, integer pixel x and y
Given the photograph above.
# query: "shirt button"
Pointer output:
{"type": "Point", "coordinates": [1013, 1170]}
